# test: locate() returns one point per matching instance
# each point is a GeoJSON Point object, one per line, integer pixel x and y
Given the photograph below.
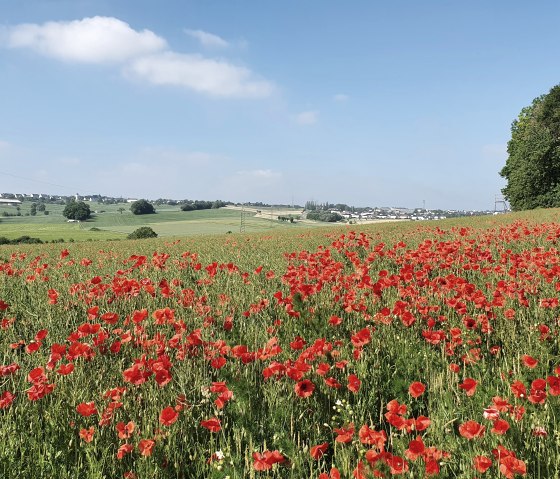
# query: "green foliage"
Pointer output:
{"type": "Point", "coordinates": [202, 205]}
{"type": "Point", "coordinates": [21, 240]}
{"type": "Point", "coordinates": [77, 210]}
{"type": "Point", "coordinates": [142, 207]}
{"type": "Point", "coordinates": [532, 169]}
{"type": "Point", "coordinates": [325, 216]}
{"type": "Point", "coordinates": [143, 232]}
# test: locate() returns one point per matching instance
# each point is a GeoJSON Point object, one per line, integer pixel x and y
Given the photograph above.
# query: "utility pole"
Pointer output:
{"type": "Point", "coordinates": [499, 200]}
{"type": "Point", "coordinates": [242, 223]}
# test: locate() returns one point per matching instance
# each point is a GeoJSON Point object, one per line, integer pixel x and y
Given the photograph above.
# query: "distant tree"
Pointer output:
{"type": "Point", "coordinates": [310, 205]}
{"type": "Point", "coordinates": [324, 216]}
{"type": "Point", "coordinates": [77, 210]}
{"type": "Point", "coordinates": [41, 207]}
{"type": "Point", "coordinates": [143, 232]}
{"type": "Point", "coordinates": [33, 209]}
{"type": "Point", "coordinates": [120, 210]}
{"type": "Point", "coordinates": [142, 207]}
{"type": "Point", "coordinates": [532, 169]}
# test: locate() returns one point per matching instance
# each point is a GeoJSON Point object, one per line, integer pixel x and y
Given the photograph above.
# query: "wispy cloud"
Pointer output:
{"type": "Point", "coordinates": [340, 97]}
{"type": "Point", "coordinates": [213, 77]}
{"type": "Point", "coordinates": [307, 117]}
{"type": "Point", "coordinates": [141, 55]}
{"type": "Point", "coordinates": [259, 174]}
{"type": "Point", "coordinates": [91, 40]}
{"type": "Point", "coordinates": [206, 39]}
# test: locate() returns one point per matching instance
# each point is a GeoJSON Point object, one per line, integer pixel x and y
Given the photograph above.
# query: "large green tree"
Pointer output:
{"type": "Point", "coordinates": [142, 207]}
{"type": "Point", "coordinates": [532, 169]}
{"type": "Point", "coordinates": [77, 210]}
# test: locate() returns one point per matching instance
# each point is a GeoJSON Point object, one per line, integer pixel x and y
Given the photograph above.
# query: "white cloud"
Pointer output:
{"type": "Point", "coordinates": [307, 118]}
{"type": "Point", "coordinates": [207, 39]}
{"type": "Point", "coordinates": [4, 145]}
{"type": "Point", "coordinates": [141, 54]}
{"type": "Point", "coordinates": [90, 40]}
{"type": "Point", "coordinates": [213, 77]}
{"type": "Point", "coordinates": [340, 97]}
{"type": "Point", "coordinates": [259, 174]}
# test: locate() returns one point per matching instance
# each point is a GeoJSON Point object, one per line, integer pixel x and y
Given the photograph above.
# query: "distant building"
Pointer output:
{"type": "Point", "coordinates": [7, 201]}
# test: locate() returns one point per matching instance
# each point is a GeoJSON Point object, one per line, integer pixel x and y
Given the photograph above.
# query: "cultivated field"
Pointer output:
{"type": "Point", "coordinates": [412, 350]}
{"type": "Point", "coordinates": [110, 223]}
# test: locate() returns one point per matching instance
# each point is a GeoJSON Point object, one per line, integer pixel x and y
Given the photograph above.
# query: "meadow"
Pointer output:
{"type": "Point", "coordinates": [412, 350]}
{"type": "Point", "coordinates": [115, 221]}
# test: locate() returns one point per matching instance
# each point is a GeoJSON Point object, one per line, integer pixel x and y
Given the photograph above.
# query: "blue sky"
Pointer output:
{"type": "Point", "coordinates": [359, 102]}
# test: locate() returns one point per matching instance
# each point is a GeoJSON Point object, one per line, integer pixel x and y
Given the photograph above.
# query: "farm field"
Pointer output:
{"type": "Point", "coordinates": [110, 223]}
{"type": "Point", "coordinates": [402, 349]}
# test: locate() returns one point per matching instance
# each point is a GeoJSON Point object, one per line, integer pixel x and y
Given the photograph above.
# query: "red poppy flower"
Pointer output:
{"type": "Point", "coordinates": [421, 423]}
{"type": "Point", "coordinates": [146, 447]}
{"type": "Point", "coordinates": [372, 437]}
{"type": "Point", "coordinates": [110, 318]}
{"type": "Point", "coordinates": [213, 424]}
{"type": "Point", "coordinates": [124, 450]}
{"type": "Point", "coordinates": [500, 427]}
{"type": "Point", "coordinates": [335, 321]}
{"type": "Point", "coordinates": [87, 434]}
{"type": "Point", "coordinates": [304, 388]}
{"type": "Point", "coordinates": [491, 413]}
{"type": "Point", "coordinates": [345, 435]}
{"type": "Point", "coordinates": [218, 363]}
{"type": "Point", "coordinates": [317, 452]}
{"type": "Point", "coordinates": [415, 449]}
{"type": "Point", "coordinates": [510, 466]}
{"type": "Point", "coordinates": [86, 409]}
{"type": "Point", "coordinates": [125, 430]}
{"type": "Point", "coordinates": [265, 461]}
{"type": "Point", "coordinates": [397, 465]}
{"type": "Point", "coordinates": [65, 369]}
{"type": "Point", "coordinates": [354, 383]}
{"type": "Point", "coordinates": [332, 383]}
{"type": "Point", "coordinates": [260, 463]}
{"type": "Point", "coordinates": [416, 389]}
{"type": "Point", "coordinates": [334, 474]}
{"type": "Point", "coordinates": [168, 416]}
{"type": "Point", "coordinates": [529, 361]}
{"type": "Point", "coordinates": [42, 334]}
{"type": "Point", "coordinates": [469, 386]}
{"type": "Point", "coordinates": [482, 463]}
{"type": "Point", "coordinates": [553, 385]}
{"type": "Point", "coordinates": [471, 430]}
{"type": "Point", "coordinates": [6, 399]}
{"type": "Point", "coordinates": [518, 389]}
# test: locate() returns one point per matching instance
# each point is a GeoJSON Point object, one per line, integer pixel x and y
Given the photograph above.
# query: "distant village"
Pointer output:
{"type": "Point", "coordinates": [348, 213]}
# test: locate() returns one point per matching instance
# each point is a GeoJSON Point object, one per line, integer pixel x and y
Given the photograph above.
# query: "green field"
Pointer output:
{"type": "Point", "coordinates": [110, 223]}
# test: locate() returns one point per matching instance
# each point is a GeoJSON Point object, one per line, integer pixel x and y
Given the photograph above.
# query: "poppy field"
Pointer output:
{"type": "Point", "coordinates": [401, 350]}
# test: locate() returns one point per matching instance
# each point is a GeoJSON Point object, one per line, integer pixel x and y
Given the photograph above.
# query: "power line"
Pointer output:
{"type": "Point", "coordinates": [46, 182]}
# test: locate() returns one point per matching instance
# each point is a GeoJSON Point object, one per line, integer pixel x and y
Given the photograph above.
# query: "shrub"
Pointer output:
{"type": "Point", "coordinates": [143, 232]}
